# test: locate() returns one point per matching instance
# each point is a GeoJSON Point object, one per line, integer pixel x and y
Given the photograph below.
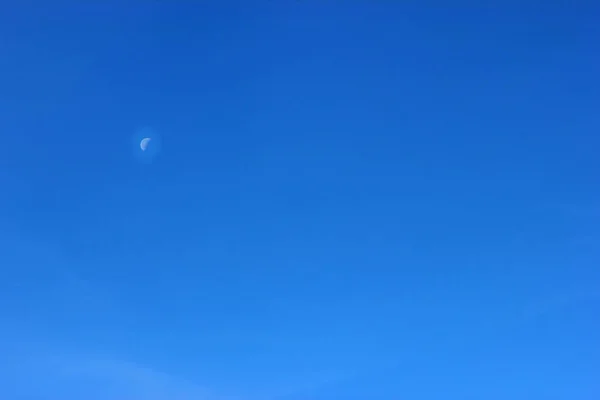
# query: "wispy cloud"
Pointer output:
{"type": "Point", "coordinates": [49, 302]}
{"type": "Point", "coordinates": [49, 375]}
{"type": "Point", "coordinates": [132, 379]}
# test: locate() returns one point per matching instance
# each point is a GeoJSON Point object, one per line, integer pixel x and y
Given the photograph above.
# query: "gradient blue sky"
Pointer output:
{"type": "Point", "coordinates": [352, 200]}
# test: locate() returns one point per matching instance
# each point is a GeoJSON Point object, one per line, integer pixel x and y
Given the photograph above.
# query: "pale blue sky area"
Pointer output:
{"type": "Point", "coordinates": [349, 200]}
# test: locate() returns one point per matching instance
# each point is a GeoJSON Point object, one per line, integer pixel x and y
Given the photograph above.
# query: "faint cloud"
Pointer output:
{"type": "Point", "coordinates": [68, 377]}
{"type": "Point", "coordinates": [133, 379]}
{"type": "Point", "coordinates": [38, 285]}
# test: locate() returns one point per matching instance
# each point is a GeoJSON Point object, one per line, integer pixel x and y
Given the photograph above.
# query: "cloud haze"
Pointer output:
{"type": "Point", "coordinates": [49, 375]}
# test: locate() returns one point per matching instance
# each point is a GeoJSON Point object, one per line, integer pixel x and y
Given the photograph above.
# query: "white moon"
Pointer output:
{"type": "Point", "coordinates": [144, 143]}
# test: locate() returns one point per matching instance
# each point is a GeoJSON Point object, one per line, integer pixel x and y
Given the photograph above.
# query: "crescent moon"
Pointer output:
{"type": "Point", "coordinates": [144, 143]}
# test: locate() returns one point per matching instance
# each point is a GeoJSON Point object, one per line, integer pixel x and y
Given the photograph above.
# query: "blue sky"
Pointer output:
{"type": "Point", "coordinates": [350, 200]}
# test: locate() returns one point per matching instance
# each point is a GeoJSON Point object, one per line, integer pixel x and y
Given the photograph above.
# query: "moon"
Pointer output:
{"type": "Point", "coordinates": [144, 143]}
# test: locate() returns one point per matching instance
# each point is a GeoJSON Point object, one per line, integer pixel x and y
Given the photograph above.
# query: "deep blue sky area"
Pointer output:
{"type": "Point", "coordinates": [341, 200]}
